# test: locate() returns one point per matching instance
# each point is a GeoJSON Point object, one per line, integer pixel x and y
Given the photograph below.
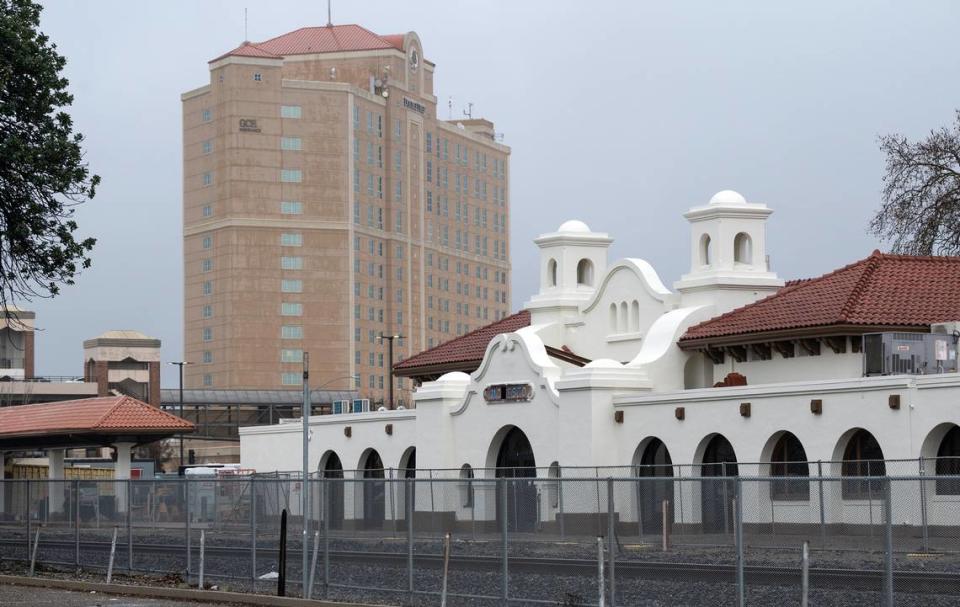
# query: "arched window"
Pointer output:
{"type": "Point", "coordinates": [719, 459]}
{"type": "Point", "coordinates": [862, 457]}
{"type": "Point", "coordinates": [635, 316]}
{"type": "Point", "coordinates": [466, 479]}
{"type": "Point", "coordinates": [585, 272]}
{"type": "Point", "coordinates": [332, 468]}
{"type": "Point", "coordinates": [613, 318]}
{"type": "Point", "coordinates": [552, 272]}
{"type": "Point", "coordinates": [705, 257]}
{"type": "Point", "coordinates": [948, 463]}
{"type": "Point", "coordinates": [624, 323]}
{"type": "Point", "coordinates": [742, 248]}
{"type": "Point", "coordinates": [789, 460]}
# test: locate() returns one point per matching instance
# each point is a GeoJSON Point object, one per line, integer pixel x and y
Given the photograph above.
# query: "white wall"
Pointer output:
{"type": "Point", "coordinates": [827, 365]}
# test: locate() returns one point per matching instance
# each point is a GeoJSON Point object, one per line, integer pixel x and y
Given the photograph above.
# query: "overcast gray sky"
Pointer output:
{"type": "Point", "coordinates": [621, 114]}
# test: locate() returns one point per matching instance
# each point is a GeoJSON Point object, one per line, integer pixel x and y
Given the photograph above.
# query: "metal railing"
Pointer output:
{"type": "Point", "coordinates": [513, 541]}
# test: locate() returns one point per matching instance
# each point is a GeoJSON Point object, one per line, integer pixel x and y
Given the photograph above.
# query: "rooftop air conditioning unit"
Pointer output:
{"type": "Point", "coordinates": [340, 406]}
{"type": "Point", "coordinates": [909, 353]}
{"type": "Point", "coordinates": [361, 405]}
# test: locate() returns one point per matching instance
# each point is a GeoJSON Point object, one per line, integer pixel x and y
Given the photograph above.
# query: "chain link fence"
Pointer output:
{"type": "Point", "coordinates": [519, 539]}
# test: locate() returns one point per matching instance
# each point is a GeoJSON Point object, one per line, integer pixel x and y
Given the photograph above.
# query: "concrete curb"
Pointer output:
{"type": "Point", "coordinates": [159, 592]}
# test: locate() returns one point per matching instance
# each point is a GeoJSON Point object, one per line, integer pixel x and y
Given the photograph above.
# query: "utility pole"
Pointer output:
{"type": "Point", "coordinates": [390, 339]}
{"type": "Point", "coordinates": [180, 364]}
{"type": "Point", "coordinates": [304, 486]}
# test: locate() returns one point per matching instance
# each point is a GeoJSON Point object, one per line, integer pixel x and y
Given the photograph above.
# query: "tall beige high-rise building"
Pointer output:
{"type": "Point", "coordinates": [324, 204]}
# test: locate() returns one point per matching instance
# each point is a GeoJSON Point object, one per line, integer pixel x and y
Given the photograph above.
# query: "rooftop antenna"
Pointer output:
{"type": "Point", "coordinates": [329, 17]}
{"type": "Point", "coordinates": [449, 108]}
{"type": "Point", "coordinates": [469, 111]}
{"type": "Point", "coordinates": [246, 37]}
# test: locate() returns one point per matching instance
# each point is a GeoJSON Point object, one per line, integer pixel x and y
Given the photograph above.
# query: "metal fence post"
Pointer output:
{"type": "Point", "coordinates": [823, 514]}
{"type": "Point", "coordinates": [113, 552]}
{"type": "Point", "coordinates": [888, 545]}
{"type": "Point", "coordinates": [202, 545]}
{"type": "Point", "coordinates": [560, 504]}
{"type": "Point", "coordinates": [870, 498]}
{"type": "Point", "coordinates": [504, 532]}
{"type": "Point", "coordinates": [28, 512]}
{"type": "Point", "coordinates": [129, 526]}
{"type": "Point", "coordinates": [408, 507]}
{"type": "Point", "coordinates": [36, 544]}
{"type": "Point", "coordinates": [186, 518]}
{"type": "Point", "coordinates": [805, 574]}
{"type": "Point", "coordinates": [726, 500]}
{"type": "Point", "coordinates": [600, 582]}
{"type": "Point", "coordinates": [326, 533]}
{"type": "Point", "coordinates": [253, 530]}
{"type": "Point", "coordinates": [738, 535]}
{"type": "Point", "coordinates": [611, 543]}
{"type": "Point", "coordinates": [923, 509]}
{"type": "Point", "coordinates": [313, 562]}
{"type": "Point", "coordinates": [76, 523]}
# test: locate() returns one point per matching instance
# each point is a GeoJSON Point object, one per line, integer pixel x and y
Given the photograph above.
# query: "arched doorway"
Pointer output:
{"type": "Point", "coordinates": [862, 457]}
{"type": "Point", "coordinates": [717, 489]}
{"type": "Point", "coordinates": [332, 487]}
{"type": "Point", "coordinates": [654, 463]}
{"type": "Point", "coordinates": [515, 462]}
{"type": "Point", "coordinates": [948, 463]}
{"type": "Point", "coordinates": [788, 461]}
{"type": "Point", "coordinates": [374, 490]}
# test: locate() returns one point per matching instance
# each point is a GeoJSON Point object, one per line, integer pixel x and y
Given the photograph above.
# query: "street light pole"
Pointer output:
{"type": "Point", "coordinates": [180, 364]}
{"type": "Point", "coordinates": [305, 412]}
{"type": "Point", "coordinates": [390, 339]}
{"type": "Point", "coordinates": [305, 492]}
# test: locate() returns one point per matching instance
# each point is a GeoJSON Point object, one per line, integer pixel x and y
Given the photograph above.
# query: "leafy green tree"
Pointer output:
{"type": "Point", "coordinates": [920, 214]}
{"type": "Point", "coordinates": [43, 176]}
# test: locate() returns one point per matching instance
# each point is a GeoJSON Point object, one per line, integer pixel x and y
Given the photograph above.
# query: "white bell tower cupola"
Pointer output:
{"type": "Point", "coordinates": [572, 261]}
{"type": "Point", "coordinates": [728, 260]}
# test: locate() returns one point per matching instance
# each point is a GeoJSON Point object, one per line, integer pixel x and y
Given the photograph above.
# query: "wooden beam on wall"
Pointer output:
{"type": "Point", "coordinates": [739, 353]}
{"type": "Point", "coordinates": [810, 346]}
{"type": "Point", "coordinates": [762, 351]}
{"type": "Point", "coordinates": [786, 349]}
{"type": "Point", "coordinates": [715, 355]}
{"type": "Point", "coordinates": [837, 344]}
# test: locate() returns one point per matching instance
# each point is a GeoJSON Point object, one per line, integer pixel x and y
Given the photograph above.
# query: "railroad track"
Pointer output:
{"type": "Point", "coordinates": [860, 579]}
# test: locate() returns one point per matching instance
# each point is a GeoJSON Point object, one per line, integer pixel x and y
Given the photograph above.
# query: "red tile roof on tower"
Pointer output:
{"type": "Point", "coordinates": [469, 347]}
{"type": "Point", "coordinates": [324, 39]}
{"type": "Point", "coordinates": [101, 415]}
{"type": "Point", "coordinates": [883, 290]}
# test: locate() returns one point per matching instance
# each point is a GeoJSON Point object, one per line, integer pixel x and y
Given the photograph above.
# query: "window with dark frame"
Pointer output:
{"type": "Point", "coordinates": [789, 461]}
{"type": "Point", "coordinates": [862, 458]}
{"type": "Point", "coordinates": [948, 463]}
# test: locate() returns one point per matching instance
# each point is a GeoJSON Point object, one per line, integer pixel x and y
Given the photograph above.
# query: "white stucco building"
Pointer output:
{"type": "Point", "coordinates": [733, 370]}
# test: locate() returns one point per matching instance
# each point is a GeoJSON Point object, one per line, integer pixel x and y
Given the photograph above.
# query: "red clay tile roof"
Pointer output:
{"type": "Point", "coordinates": [469, 347]}
{"type": "Point", "coordinates": [309, 40]}
{"type": "Point", "coordinates": [396, 40]}
{"type": "Point", "coordinates": [881, 290]}
{"type": "Point", "coordinates": [249, 49]}
{"type": "Point", "coordinates": [101, 415]}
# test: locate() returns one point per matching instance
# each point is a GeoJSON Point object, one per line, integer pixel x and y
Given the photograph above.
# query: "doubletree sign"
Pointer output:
{"type": "Point", "coordinates": [249, 125]}
{"type": "Point", "coordinates": [499, 393]}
